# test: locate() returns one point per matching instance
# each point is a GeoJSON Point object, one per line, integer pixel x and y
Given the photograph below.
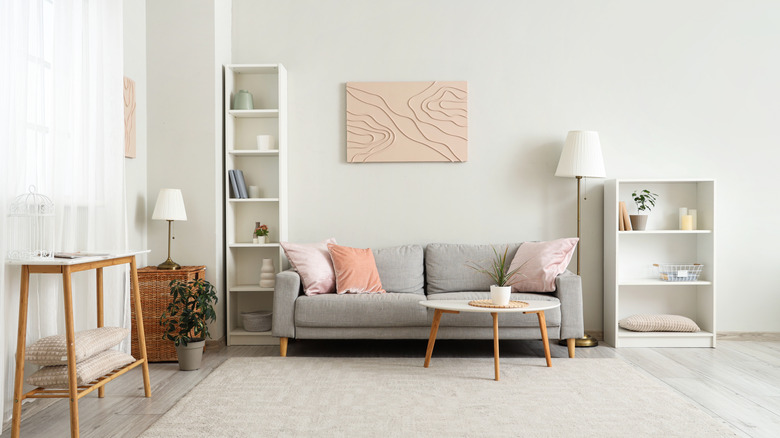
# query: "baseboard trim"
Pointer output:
{"type": "Point", "coordinates": [749, 336]}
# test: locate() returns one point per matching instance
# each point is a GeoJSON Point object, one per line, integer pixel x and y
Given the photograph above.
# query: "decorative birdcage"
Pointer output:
{"type": "Point", "coordinates": [31, 227]}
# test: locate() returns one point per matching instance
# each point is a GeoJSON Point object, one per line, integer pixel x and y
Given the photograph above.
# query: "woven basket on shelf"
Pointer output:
{"type": "Point", "coordinates": [155, 291]}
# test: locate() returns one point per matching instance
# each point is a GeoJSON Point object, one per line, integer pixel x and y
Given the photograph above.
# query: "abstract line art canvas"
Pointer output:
{"type": "Point", "coordinates": [407, 121]}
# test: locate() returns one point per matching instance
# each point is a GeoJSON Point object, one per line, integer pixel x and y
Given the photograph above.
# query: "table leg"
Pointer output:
{"type": "Point", "coordinates": [21, 340]}
{"type": "Point", "coordinates": [432, 339]}
{"type": "Point", "coordinates": [495, 341]}
{"type": "Point", "coordinates": [70, 340]}
{"type": "Point", "coordinates": [545, 341]}
{"type": "Point", "coordinates": [99, 288]}
{"type": "Point", "coordinates": [139, 323]}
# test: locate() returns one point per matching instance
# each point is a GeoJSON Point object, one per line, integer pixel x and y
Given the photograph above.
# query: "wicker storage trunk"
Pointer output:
{"type": "Point", "coordinates": [155, 296]}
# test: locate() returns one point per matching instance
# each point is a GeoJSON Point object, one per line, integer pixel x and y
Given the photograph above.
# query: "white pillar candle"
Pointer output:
{"type": "Point", "coordinates": [692, 213]}
{"type": "Point", "coordinates": [254, 191]}
{"type": "Point", "coordinates": [687, 222]}
{"type": "Point", "coordinates": [683, 212]}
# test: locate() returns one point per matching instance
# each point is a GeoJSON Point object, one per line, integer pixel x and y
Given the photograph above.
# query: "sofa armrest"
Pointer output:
{"type": "Point", "coordinates": [286, 291]}
{"type": "Point", "coordinates": [569, 290]}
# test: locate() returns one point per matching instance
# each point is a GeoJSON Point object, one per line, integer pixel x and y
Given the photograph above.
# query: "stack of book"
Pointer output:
{"type": "Point", "coordinates": [237, 184]}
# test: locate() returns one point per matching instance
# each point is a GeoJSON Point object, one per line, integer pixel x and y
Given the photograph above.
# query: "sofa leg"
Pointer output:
{"type": "Point", "coordinates": [283, 347]}
{"type": "Point", "coordinates": [570, 343]}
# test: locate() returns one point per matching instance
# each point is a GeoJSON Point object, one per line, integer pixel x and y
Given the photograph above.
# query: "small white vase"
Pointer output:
{"type": "Point", "coordinates": [267, 273]}
{"type": "Point", "coordinates": [500, 295]}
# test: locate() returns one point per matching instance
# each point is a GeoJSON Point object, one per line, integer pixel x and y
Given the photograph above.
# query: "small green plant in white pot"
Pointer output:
{"type": "Point", "coordinates": [498, 271]}
{"type": "Point", "coordinates": [645, 201]}
{"type": "Point", "coordinates": [185, 320]}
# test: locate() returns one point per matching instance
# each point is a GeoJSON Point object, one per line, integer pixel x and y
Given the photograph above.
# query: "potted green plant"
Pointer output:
{"type": "Point", "coordinates": [645, 201]}
{"type": "Point", "coordinates": [498, 271]}
{"type": "Point", "coordinates": [185, 319]}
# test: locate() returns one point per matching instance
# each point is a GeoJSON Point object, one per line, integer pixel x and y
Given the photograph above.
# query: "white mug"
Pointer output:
{"type": "Point", "coordinates": [265, 142]}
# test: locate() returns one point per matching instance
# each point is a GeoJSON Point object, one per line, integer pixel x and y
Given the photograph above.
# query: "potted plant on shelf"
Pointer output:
{"type": "Point", "coordinates": [501, 291]}
{"type": "Point", "coordinates": [184, 321]}
{"type": "Point", "coordinates": [645, 201]}
{"type": "Point", "coordinates": [260, 233]}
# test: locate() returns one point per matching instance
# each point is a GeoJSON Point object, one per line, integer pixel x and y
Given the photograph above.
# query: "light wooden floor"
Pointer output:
{"type": "Point", "coordinates": [738, 382]}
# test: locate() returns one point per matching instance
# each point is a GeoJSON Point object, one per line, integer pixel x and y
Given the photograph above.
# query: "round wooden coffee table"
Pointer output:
{"type": "Point", "coordinates": [457, 306]}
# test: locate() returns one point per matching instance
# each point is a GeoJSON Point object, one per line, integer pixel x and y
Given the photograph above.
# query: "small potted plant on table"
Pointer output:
{"type": "Point", "coordinates": [645, 201]}
{"type": "Point", "coordinates": [184, 321]}
{"type": "Point", "coordinates": [497, 271]}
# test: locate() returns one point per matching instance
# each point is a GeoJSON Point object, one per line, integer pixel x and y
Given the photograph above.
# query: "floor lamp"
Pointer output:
{"type": "Point", "coordinates": [581, 158]}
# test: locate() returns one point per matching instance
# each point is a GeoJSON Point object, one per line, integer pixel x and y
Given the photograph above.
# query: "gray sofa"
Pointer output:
{"type": "Point", "coordinates": [411, 274]}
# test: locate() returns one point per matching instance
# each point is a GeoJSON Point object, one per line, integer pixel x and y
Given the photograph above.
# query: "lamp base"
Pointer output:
{"type": "Point", "coordinates": [169, 265]}
{"type": "Point", "coordinates": [585, 341]}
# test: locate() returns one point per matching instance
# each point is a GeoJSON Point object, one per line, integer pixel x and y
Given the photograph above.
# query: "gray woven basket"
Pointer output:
{"type": "Point", "coordinates": [259, 321]}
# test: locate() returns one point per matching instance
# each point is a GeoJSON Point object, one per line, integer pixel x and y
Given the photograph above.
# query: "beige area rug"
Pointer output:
{"type": "Point", "coordinates": [397, 397]}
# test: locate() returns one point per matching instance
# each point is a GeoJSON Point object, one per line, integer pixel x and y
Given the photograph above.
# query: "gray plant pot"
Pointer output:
{"type": "Point", "coordinates": [190, 356]}
{"type": "Point", "coordinates": [638, 221]}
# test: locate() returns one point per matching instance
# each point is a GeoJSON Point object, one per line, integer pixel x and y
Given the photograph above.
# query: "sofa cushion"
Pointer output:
{"type": "Point", "coordinates": [53, 350]}
{"type": "Point", "coordinates": [361, 310]}
{"type": "Point", "coordinates": [355, 270]}
{"type": "Point", "coordinates": [540, 263]}
{"type": "Point", "coordinates": [56, 376]}
{"type": "Point", "coordinates": [658, 323]}
{"type": "Point", "coordinates": [514, 319]}
{"type": "Point", "coordinates": [446, 269]}
{"type": "Point", "coordinates": [401, 268]}
{"type": "Point", "coordinates": [313, 263]}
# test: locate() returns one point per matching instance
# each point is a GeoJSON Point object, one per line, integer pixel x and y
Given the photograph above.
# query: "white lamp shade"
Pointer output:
{"type": "Point", "coordinates": [169, 206]}
{"type": "Point", "coordinates": [581, 156]}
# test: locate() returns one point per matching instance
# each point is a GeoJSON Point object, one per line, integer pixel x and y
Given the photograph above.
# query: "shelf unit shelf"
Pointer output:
{"type": "Point", "coordinates": [266, 169]}
{"type": "Point", "coordinates": [250, 288]}
{"type": "Point", "coordinates": [661, 283]}
{"type": "Point", "coordinates": [242, 200]}
{"type": "Point", "coordinates": [665, 232]}
{"type": "Point", "coordinates": [243, 337]}
{"type": "Point", "coordinates": [631, 283]}
{"type": "Point", "coordinates": [254, 114]}
{"type": "Point", "coordinates": [252, 153]}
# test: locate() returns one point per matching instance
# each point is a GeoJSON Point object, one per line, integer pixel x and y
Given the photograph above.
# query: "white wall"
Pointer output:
{"type": "Point", "coordinates": [134, 18]}
{"type": "Point", "coordinates": [675, 89]}
{"type": "Point", "coordinates": [185, 44]}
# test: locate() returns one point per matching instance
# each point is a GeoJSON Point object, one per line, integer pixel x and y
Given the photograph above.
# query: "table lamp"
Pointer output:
{"type": "Point", "coordinates": [169, 207]}
{"type": "Point", "coordinates": [581, 158]}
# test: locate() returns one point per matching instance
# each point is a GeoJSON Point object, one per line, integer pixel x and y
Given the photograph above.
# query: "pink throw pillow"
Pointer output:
{"type": "Point", "coordinates": [543, 262]}
{"type": "Point", "coordinates": [355, 270]}
{"type": "Point", "coordinates": [313, 264]}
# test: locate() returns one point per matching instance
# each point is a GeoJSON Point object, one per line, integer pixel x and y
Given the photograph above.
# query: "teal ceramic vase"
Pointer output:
{"type": "Point", "coordinates": [243, 100]}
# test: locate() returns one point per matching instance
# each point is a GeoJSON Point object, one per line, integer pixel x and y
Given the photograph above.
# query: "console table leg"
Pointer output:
{"type": "Point", "coordinates": [139, 323]}
{"type": "Point", "coordinates": [21, 341]}
{"type": "Point", "coordinates": [70, 339]}
{"type": "Point", "coordinates": [495, 341]}
{"type": "Point", "coordinates": [99, 289]}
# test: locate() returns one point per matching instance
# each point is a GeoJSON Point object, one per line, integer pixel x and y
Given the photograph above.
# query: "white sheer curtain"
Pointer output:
{"type": "Point", "coordinates": [62, 130]}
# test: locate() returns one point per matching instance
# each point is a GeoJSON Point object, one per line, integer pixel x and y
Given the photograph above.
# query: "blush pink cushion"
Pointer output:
{"type": "Point", "coordinates": [313, 264]}
{"type": "Point", "coordinates": [355, 270]}
{"type": "Point", "coordinates": [543, 262]}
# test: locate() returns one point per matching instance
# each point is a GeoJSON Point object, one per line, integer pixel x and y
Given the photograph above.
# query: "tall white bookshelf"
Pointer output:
{"type": "Point", "coordinates": [631, 282]}
{"type": "Point", "coordinates": [266, 169]}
